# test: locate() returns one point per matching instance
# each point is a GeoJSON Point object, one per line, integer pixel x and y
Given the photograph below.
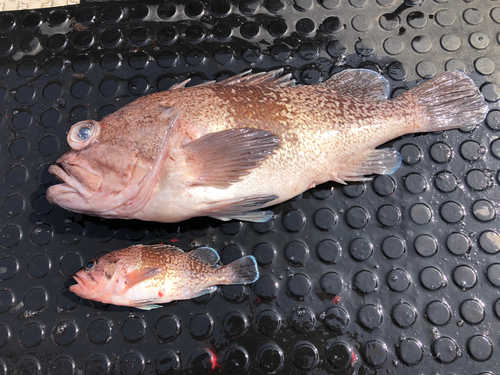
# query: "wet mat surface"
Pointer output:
{"type": "Point", "coordinates": [369, 278]}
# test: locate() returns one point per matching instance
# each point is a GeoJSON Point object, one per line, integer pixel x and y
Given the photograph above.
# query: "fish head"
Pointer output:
{"type": "Point", "coordinates": [111, 167]}
{"type": "Point", "coordinates": [97, 281]}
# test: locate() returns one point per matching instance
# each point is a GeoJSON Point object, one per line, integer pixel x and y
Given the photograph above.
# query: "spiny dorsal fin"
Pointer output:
{"type": "Point", "coordinates": [163, 247]}
{"type": "Point", "coordinates": [246, 79]}
{"type": "Point", "coordinates": [360, 83]}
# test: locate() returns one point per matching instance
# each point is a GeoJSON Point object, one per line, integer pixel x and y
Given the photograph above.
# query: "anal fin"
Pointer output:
{"type": "Point", "coordinates": [243, 209]}
{"type": "Point", "coordinates": [383, 161]}
{"type": "Point", "coordinates": [208, 290]}
{"type": "Point", "coordinates": [148, 307]}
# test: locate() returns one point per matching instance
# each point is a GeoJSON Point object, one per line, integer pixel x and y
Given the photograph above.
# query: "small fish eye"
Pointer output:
{"type": "Point", "coordinates": [90, 265]}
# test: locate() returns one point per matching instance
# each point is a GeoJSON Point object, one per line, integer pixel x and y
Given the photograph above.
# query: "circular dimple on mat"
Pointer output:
{"type": "Point", "coordinates": [9, 267]}
{"type": "Point", "coordinates": [6, 301]}
{"type": "Point", "coordinates": [472, 310]}
{"type": "Point", "coordinates": [236, 360]}
{"type": "Point", "coordinates": [445, 350]}
{"type": "Point", "coordinates": [357, 217]}
{"type": "Point", "coordinates": [31, 335]}
{"type": "Point", "coordinates": [26, 68]}
{"type": "Point", "coordinates": [305, 26]}
{"type": "Point", "coordinates": [398, 280]}
{"type": "Point", "coordinates": [420, 213]}
{"type": "Point", "coordinates": [309, 51]}
{"type": "Point", "coordinates": [280, 52]}
{"type": "Point", "coordinates": [458, 244]}
{"type": "Point", "coordinates": [361, 23]}
{"type": "Point", "coordinates": [478, 180]}
{"type": "Point", "coordinates": [296, 253]}
{"type": "Point", "coordinates": [473, 16]}
{"type": "Point", "coordinates": [305, 355]}
{"type": "Point", "coordinates": [416, 183]}
{"type": "Point", "coordinates": [410, 351]}
{"type": "Point", "coordinates": [410, 154]}
{"type": "Point", "coordinates": [268, 322]}
{"type": "Point", "coordinates": [416, 20]}
{"type": "Point", "coordinates": [109, 87]}
{"type": "Point", "coordinates": [472, 150]}
{"type": "Point", "coordinates": [331, 283]}
{"type": "Point", "coordinates": [98, 364]}
{"type": "Point", "coordinates": [67, 300]}
{"type": "Point", "coordinates": [21, 120]}
{"type": "Point", "coordinates": [138, 85]}
{"type": "Point", "coordinates": [62, 366]}
{"type": "Point", "coordinates": [302, 320]}
{"type": "Point", "coordinates": [80, 89]}
{"type": "Point", "coordinates": [230, 253]}
{"type": "Point", "coordinates": [103, 233]}
{"type": "Point", "coordinates": [7, 23]}
{"type": "Point", "coordinates": [495, 148]}
{"type": "Point", "coordinates": [375, 353]}
{"type": "Point", "coordinates": [277, 28]}
{"type": "Point", "coordinates": [25, 94]}
{"type": "Point", "coordinates": [432, 278]}
{"type": "Point", "coordinates": [70, 264]}
{"type": "Point", "coordinates": [28, 366]}
{"type": "Point", "coordinates": [403, 314]}
{"type": "Point", "coordinates": [480, 348]}
{"type": "Point", "coordinates": [455, 64]}
{"type": "Point", "coordinates": [426, 69]}
{"type": "Point", "coordinates": [167, 362]}
{"type": "Point", "coordinates": [491, 92]}
{"type": "Point", "coordinates": [438, 313]}
{"type": "Point", "coordinates": [13, 205]}
{"type": "Point", "coordinates": [484, 66]}
{"type": "Point", "coordinates": [138, 37]}
{"type": "Point", "coordinates": [388, 215]}
{"type": "Point", "coordinates": [336, 49]}
{"type": "Point", "coordinates": [325, 218]}
{"type": "Point", "coordinates": [48, 145]}
{"type": "Point", "coordinates": [99, 331]}
{"type": "Point", "coordinates": [361, 249]}
{"type": "Point", "coordinates": [167, 328]}
{"type": "Point", "coordinates": [167, 59]}
{"type": "Point", "coordinates": [393, 247]}
{"type": "Point", "coordinates": [65, 333]}
{"type": "Point", "coordinates": [493, 119]}
{"type": "Point", "coordinates": [445, 181]}
{"type": "Point", "coordinates": [354, 190]}
{"type": "Point", "coordinates": [266, 288]}
{"type": "Point", "coordinates": [365, 282]}
{"type": "Point", "coordinates": [389, 21]}
{"type": "Point", "coordinates": [264, 253]}
{"type": "Point", "coordinates": [493, 274]}
{"type": "Point", "coordinates": [111, 38]}
{"type": "Point", "coordinates": [303, 5]}
{"type": "Point", "coordinates": [479, 40]}
{"type": "Point", "coordinates": [52, 91]}
{"type": "Point", "coordinates": [365, 47]}
{"type": "Point", "coordinates": [299, 286]}
{"type": "Point", "coordinates": [421, 44]}
{"type": "Point", "coordinates": [450, 42]}
{"type": "Point", "coordinates": [328, 251]}
{"type": "Point", "coordinates": [336, 319]}
{"type": "Point", "coordinates": [384, 185]}
{"type": "Point", "coordinates": [54, 66]}
{"type": "Point", "coordinates": [201, 326]}
{"type": "Point", "coordinates": [38, 266]}
{"type": "Point", "coordinates": [249, 30]}
{"type": "Point", "coordinates": [235, 324]}
{"type": "Point", "coordinates": [166, 11]}
{"type": "Point", "coordinates": [452, 212]}
{"type": "Point", "coordinates": [133, 329]}
{"type": "Point", "coordinates": [50, 118]}
{"type": "Point", "coordinates": [270, 358]}
{"type": "Point", "coordinates": [15, 176]}
{"type": "Point", "coordinates": [19, 147]}
{"type": "Point", "coordinates": [41, 234]}
{"type": "Point", "coordinates": [445, 17]}
{"type": "Point", "coordinates": [441, 152]}
{"type": "Point", "coordinates": [339, 355]}
{"type": "Point", "coordinates": [293, 220]}
{"type": "Point", "coordinates": [333, 25]}
{"type": "Point", "coordinates": [85, 16]}
{"type": "Point", "coordinates": [223, 55]}
{"type": "Point", "coordinates": [489, 241]}
{"type": "Point", "coordinates": [370, 317]}
{"type": "Point", "coordinates": [110, 61]}
{"type": "Point", "coordinates": [132, 364]}
{"type": "Point", "coordinates": [465, 277]}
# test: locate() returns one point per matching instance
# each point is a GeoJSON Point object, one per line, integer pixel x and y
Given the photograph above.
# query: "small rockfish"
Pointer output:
{"type": "Point", "coordinates": [228, 149]}
{"type": "Point", "coordinates": [144, 276]}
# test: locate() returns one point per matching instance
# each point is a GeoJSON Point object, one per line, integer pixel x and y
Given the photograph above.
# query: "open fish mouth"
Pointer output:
{"type": "Point", "coordinates": [70, 184]}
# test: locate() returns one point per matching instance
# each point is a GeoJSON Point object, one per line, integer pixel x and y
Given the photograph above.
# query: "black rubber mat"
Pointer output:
{"type": "Point", "coordinates": [397, 276]}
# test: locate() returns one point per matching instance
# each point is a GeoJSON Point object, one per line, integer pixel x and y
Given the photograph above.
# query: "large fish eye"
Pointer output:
{"type": "Point", "coordinates": [90, 264]}
{"type": "Point", "coordinates": [83, 134]}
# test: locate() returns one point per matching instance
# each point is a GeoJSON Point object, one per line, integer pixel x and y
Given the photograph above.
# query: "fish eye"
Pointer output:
{"type": "Point", "coordinates": [90, 264]}
{"type": "Point", "coordinates": [83, 134]}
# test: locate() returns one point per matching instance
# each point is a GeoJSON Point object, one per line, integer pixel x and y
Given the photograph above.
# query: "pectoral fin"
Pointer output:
{"type": "Point", "coordinates": [221, 159]}
{"type": "Point", "coordinates": [137, 276]}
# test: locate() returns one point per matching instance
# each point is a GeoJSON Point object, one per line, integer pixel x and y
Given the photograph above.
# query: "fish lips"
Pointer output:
{"type": "Point", "coordinates": [81, 286]}
{"type": "Point", "coordinates": [78, 185]}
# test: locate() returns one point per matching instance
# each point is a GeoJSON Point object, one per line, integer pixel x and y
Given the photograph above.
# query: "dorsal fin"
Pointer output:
{"type": "Point", "coordinates": [205, 255]}
{"type": "Point", "coordinates": [360, 83]}
{"type": "Point", "coordinates": [256, 79]}
{"type": "Point", "coordinates": [164, 247]}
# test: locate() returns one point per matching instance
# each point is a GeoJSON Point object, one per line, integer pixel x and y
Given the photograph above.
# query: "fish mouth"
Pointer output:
{"type": "Point", "coordinates": [65, 173]}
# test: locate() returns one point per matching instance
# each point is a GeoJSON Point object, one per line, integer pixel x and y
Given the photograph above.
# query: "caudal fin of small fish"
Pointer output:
{"type": "Point", "coordinates": [241, 271]}
{"type": "Point", "coordinates": [451, 100]}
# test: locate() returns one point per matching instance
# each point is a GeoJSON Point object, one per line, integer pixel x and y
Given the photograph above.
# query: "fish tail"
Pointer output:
{"type": "Point", "coordinates": [450, 100]}
{"type": "Point", "coordinates": [241, 271]}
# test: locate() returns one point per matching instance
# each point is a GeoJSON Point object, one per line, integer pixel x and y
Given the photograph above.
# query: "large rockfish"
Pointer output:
{"type": "Point", "coordinates": [230, 148]}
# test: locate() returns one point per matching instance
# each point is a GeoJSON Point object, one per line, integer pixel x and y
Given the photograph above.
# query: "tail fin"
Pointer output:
{"type": "Point", "coordinates": [451, 101]}
{"type": "Point", "coordinates": [241, 271]}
